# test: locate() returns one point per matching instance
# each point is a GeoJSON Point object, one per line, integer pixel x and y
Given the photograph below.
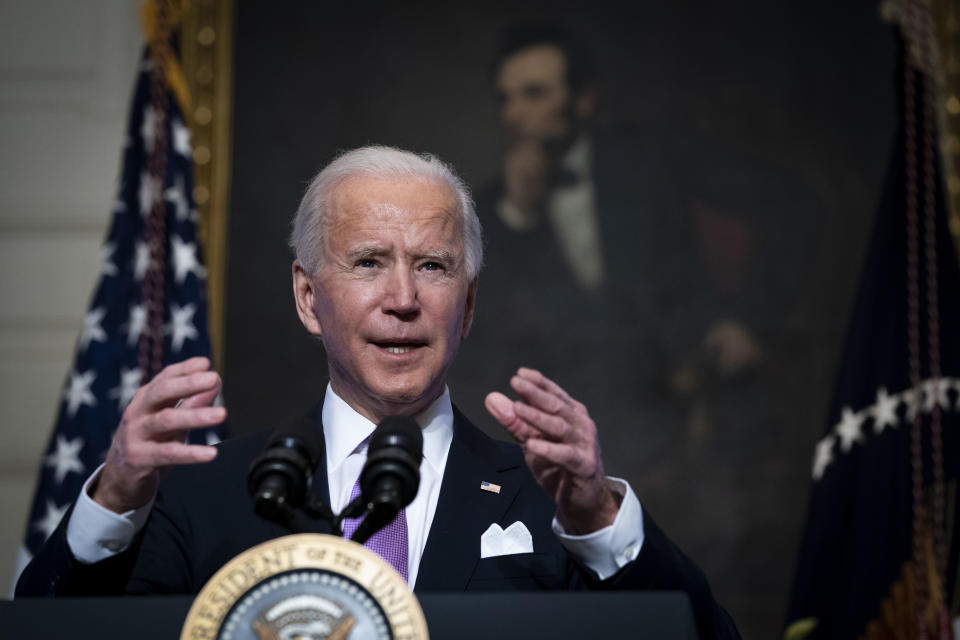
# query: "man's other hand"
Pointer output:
{"type": "Point", "coordinates": [152, 430]}
{"type": "Point", "coordinates": [561, 448]}
{"type": "Point", "coordinates": [525, 177]}
{"type": "Point", "coordinates": [732, 348]}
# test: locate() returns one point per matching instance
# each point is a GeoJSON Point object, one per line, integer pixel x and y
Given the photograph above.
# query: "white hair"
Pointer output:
{"type": "Point", "coordinates": [306, 239]}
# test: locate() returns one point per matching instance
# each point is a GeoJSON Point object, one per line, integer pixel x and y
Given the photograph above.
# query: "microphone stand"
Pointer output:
{"type": "Point", "coordinates": [280, 511]}
{"type": "Point", "coordinates": [355, 509]}
{"type": "Point", "coordinates": [378, 510]}
{"type": "Point", "coordinates": [315, 509]}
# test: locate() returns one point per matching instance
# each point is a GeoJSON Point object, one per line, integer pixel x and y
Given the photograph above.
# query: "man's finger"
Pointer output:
{"type": "Point", "coordinates": [168, 391]}
{"type": "Point", "coordinates": [202, 399]}
{"type": "Point", "coordinates": [500, 407]}
{"type": "Point", "coordinates": [190, 365]}
{"type": "Point", "coordinates": [165, 454]}
{"type": "Point", "coordinates": [521, 430]}
{"type": "Point", "coordinates": [538, 397]}
{"type": "Point", "coordinates": [183, 368]}
{"type": "Point", "coordinates": [563, 455]}
{"type": "Point", "coordinates": [547, 424]}
{"type": "Point", "coordinates": [503, 410]}
{"type": "Point", "coordinates": [170, 421]}
{"type": "Point", "coordinates": [544, 383]}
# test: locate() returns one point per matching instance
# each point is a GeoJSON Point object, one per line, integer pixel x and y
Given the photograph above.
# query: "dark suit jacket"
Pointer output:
{"type": "Point", "coordinates": [202, 518]}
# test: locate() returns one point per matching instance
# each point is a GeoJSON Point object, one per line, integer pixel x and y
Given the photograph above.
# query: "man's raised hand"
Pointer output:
{"type": "Point", "coordinates": [151, 433]}
{"type": "Point", "coordinates": [561, 448]}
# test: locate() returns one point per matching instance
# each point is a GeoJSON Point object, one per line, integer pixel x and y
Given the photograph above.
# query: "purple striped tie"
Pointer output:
{"type": "Point", "coordinates": [390, 543]}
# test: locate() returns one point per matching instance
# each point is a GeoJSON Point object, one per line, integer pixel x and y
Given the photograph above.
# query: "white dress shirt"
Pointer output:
{"type": "Point", "coordinates": [95, 533]}
{"type": "Point", "coordinates": [345, 430]}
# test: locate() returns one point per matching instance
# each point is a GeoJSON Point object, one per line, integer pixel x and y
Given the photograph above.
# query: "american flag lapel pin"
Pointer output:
{"type": "Point", "coordinates": [489, 486]}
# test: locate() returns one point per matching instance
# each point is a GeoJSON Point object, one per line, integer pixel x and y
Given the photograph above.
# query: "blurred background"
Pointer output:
{"type": "Point", "coordinates": [731, 158]}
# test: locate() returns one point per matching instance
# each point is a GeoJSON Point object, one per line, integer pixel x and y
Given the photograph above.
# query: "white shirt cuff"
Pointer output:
{"type": "Point", "coordinates": [608, 550]}
{"type": "Point", "coordinates": [95, 533]}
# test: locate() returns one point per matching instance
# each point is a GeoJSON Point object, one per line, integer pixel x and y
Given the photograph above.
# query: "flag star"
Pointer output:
{"type": "Point", "coordinates": [149, 192]}
{"type": "Point", "coordinates": [849, 429]}
{"type": "Point", "coordinates": [79, 392]}
{"type": "Point", "coordinates": [181, 325]}
{"type": "Point", "coordinates": [48, 524]}
{"type": "Point", "coordinates": [176, 196]}
{"type": "Point", "coordinates": [935, 392]}
{"type": "Point", "coordinates": [823, 456]}
{"type": "Point", "coordinates": [884, 410]}
{"type": "Point", "coordinates": [910, 400]}
{"type": "Point", "coordinates": [181, 138]}
{"type": "Point", "coordinates": [141, 260]}
{"type": "Point", "coordinates": [138, 316]}
{"type": "Point", "coordinates": [148, 130]}
{"type": "Point", "coordinates": [129, 383]}
{"type": "Point", "coordinates": [185, 259]}
{"type": "Point", "coordinates": [66, 458]}
{"type": "Point", "coordinates": [107, 267]}
{"type": "Point", "coordinates": [92, 331]}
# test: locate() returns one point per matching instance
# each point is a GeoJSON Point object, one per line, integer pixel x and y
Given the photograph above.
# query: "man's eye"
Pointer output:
{"type": "Point", "coordinates": [534, 91]}
{"type": "Point", "coordinates": [366, 263]}
{"type": "Point", "coordinates": [432, 266]}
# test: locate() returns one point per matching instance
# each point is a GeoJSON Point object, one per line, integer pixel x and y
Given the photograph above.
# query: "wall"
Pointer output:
{"type": "Point", "coordinates": [66, 71]}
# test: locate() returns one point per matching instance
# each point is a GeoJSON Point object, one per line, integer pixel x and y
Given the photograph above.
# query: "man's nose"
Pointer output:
{"type": "Point", "coordinates": [400, 297]}
{"type": "Point", "coordinates": [511, 113]}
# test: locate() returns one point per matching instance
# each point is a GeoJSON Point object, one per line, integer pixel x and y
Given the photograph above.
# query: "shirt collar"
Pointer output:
{"type": "Point", "coordinates": [578, 157]}
{"type": "Point", "coordinates": [344, 430]}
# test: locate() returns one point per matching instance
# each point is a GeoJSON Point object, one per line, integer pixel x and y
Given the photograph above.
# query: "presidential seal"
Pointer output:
{"type": "Point", "coordinates": [306, 586]}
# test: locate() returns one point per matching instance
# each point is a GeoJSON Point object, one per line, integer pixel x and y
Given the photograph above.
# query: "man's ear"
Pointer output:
{"type": "Point", "coordinates": [304, 295]}
{"type": "Point", "coordinates": [468, 308]}
{"type": "Point", "coordinates": [585, 104]}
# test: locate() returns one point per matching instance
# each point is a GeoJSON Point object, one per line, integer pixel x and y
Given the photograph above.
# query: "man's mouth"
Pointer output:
{"type": "Point", "coordinates": [398, 348]}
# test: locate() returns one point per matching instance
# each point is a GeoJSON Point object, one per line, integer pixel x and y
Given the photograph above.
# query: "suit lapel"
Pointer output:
{"type": "Point", "coordinates": [464, 511]}
{"type": "Point", "coordinates": [320, 486]}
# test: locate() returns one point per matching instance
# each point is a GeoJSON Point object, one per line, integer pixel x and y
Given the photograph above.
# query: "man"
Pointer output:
{"type": "Point", "coordinates": [388, 254]}
{"type": "Point", "coordinates": [545, 84]}
{"type": "Point", "coordinates": [593, 206]}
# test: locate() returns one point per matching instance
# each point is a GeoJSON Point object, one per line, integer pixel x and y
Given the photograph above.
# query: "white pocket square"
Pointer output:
{"type": "Point", "coordinates": [496, 541]}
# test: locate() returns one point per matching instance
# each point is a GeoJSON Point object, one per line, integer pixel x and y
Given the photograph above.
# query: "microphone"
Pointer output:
{"type": "Point", "coordinates": [390, 476]}
{"type": "Point", "coordinates": [279, 478]}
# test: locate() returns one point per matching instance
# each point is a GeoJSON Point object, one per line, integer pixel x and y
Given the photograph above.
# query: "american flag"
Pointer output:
{"type": "Point", "coordinates": [106, 370]}
{"type": "Point", "coordinates": [489, 486]}
{"type": "Point", "coordinates": [881, 533]}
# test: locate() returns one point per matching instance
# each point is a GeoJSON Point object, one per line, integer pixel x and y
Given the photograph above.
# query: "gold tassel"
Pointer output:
{"type": "Point", "coordinates": [158, 37]}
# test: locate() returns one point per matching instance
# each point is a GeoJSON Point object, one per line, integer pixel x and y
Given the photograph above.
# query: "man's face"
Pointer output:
{"type": "Point", "coordinates": [535, 98]}
{"type": "Point", "coordinates": [391, 298]}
